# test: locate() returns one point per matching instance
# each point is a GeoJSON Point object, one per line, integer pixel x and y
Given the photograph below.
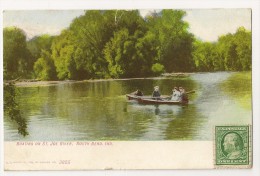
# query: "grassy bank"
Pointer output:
{"type": "Point", "coordinates": [239, 86]}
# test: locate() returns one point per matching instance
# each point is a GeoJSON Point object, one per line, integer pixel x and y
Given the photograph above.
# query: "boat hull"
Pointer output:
{"type": "Point", "coordinates": [154, 101]}
{"type": "Point", "coordinates": [134, 97]}
{"type": "Point", "coordinates": [158, 102]}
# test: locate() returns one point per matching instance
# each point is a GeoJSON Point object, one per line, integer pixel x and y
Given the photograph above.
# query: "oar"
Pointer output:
{"type": "Point", "coordinates": [192, 91]}
{"type": "Point", "coordinates": [132, 93]}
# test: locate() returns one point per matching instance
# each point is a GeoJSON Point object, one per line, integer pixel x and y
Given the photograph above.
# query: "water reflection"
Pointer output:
{"type": "Point", "coordinates": [187, 125]}
{"type": "Point", "coordinates": [100, 111]}
{"type": "Point", "coordinates": [171, 122]}
{"type": "Point", "coordinates": [157, 110]}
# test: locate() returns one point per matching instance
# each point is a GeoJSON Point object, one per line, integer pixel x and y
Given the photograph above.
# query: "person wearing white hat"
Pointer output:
{"type": "Point", "coordinates": [156, 93]}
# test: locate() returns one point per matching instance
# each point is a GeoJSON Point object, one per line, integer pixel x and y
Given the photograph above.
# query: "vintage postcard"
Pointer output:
{"type": "Point", "coordinates": [127, 89]}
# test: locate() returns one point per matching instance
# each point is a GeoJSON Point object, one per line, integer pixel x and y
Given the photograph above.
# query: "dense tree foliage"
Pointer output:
{"type": "Point", "coordinates": [175, 42]}
{"type": "Point", "coordinates": [44, 67]}
{"type": "Point", "coordinates": [120, 43]}
{"type": "Point", "coordinates": [231, 52]}
{"type": "Point", "coordinates": [38, 44]}
{"type": "Point", "coordinates": [40, 49]}
{"type": "Point", "coordinates": [17, 58]}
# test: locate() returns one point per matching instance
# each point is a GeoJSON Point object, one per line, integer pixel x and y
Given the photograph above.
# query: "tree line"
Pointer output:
{"type": "Point", "coordinates": [122, 44]}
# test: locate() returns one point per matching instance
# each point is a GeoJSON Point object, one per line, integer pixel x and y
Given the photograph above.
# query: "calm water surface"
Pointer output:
{"type": "Point", "coordinates": [100, 111]}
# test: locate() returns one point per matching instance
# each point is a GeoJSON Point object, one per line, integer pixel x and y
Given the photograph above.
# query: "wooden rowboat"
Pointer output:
{"type": "Point", "coordinates": [160, 101]}
{"type": "Point", "coordinates": [134, 97]}
{"type": "Point", "coordinates": [151, 100]}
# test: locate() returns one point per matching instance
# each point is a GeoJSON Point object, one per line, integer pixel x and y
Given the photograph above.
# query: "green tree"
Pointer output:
{"type": "Point", "coordinates": [157, 68]}
{"type": "Point", "coordinates": [63, 49]}
{"type": "Point", "coordinates": [78, 51]}
{"type": "Point", "coordinates": [44, 67]}
{"type": "Point", "coordinates": [92, 31]}
{"type": "Point", "coordinates": [82, 50]}
{"type": "Point", "coordinates": [231, 52]}
{"type": "Point", "coordinates": [205, 56]}
{"type": "Point", "coordinates": [39, 43]}
{"type": "Point", "coordinates": [17, 58]}
{"type": "Point", "coordinates": [236, 50]}
{"type": "Point", "coordinates": [130, 55]}
{"type": "Point", "coordinates": [175, 42]}
{"type": "Point", "coordinates": [243, 39]}
{"type": "Point", "coordinates": [113, 54]}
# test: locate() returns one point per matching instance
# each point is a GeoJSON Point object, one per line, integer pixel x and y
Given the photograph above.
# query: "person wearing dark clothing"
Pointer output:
{"type": "Point", "coordinates": [156, 94]}
{"type": "Point", "coordinates": [138, 93]}
{"type": "Point", "coordinates": [184, 96]}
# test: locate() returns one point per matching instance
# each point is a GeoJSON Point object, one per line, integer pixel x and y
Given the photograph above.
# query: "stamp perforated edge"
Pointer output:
{"type": "Point", "coordinates": [250, 150]}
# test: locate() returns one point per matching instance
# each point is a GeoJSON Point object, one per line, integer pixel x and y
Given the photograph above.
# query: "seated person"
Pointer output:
{"type": "Point", "coordinates": [176, 95]}
{"type": "Point", "coordinates": [184, 96]}
{"type": "Point", "coordinates": [156, 94]}
{"type": "Point", "coordinates": [138, 93]}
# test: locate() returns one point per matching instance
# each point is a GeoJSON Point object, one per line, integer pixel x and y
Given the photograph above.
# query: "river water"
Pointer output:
{"type": "Point", "coordinates": [100, 111]}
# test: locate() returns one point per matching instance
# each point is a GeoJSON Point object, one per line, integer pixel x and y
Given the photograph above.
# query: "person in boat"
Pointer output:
{"type": "Point", "coordinates": [176, 95]}
{"type": "Point", "coordinates": [183, 95]}
{"type": "Point", "coordinates": [138, 93]}
{"type": "Point", "coordinates": [156, 93]}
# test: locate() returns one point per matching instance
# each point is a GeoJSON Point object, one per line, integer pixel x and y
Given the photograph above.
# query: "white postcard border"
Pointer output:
{"type": "Point", "coordinates": [150, 4]}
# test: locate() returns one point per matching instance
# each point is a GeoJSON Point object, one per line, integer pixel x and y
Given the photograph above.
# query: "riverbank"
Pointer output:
{"type": "Point", "coordinates": [38, 83]}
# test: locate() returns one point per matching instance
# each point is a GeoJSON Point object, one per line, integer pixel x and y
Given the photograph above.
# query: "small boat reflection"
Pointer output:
{"type": "Point", "coordinates": [133, 106]}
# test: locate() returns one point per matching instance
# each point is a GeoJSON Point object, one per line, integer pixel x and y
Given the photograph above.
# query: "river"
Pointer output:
{"type": "Point", "coordinates": [99, 110]}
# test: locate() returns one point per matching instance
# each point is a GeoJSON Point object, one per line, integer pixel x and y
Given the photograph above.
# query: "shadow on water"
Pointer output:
{"type": "Point", "coordinates": [12, 109]}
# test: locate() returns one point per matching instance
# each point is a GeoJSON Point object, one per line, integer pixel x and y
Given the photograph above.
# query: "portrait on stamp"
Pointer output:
{"type": "Point", "coordinates": [233, 146]}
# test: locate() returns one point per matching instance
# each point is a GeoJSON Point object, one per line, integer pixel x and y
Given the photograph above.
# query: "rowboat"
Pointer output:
{"type": "Point", "coordinates": [160, 101]}
{"type": "Point", "coordinates": [155, 101]}
{"type": "Point", "coordinates": [135, 97]}
{"type": "Point", "coordinates": [151, 100]}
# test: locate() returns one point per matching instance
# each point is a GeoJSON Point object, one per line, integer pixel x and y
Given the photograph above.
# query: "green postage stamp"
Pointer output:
{"type": "Point", "coordinates": [232, 146]}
